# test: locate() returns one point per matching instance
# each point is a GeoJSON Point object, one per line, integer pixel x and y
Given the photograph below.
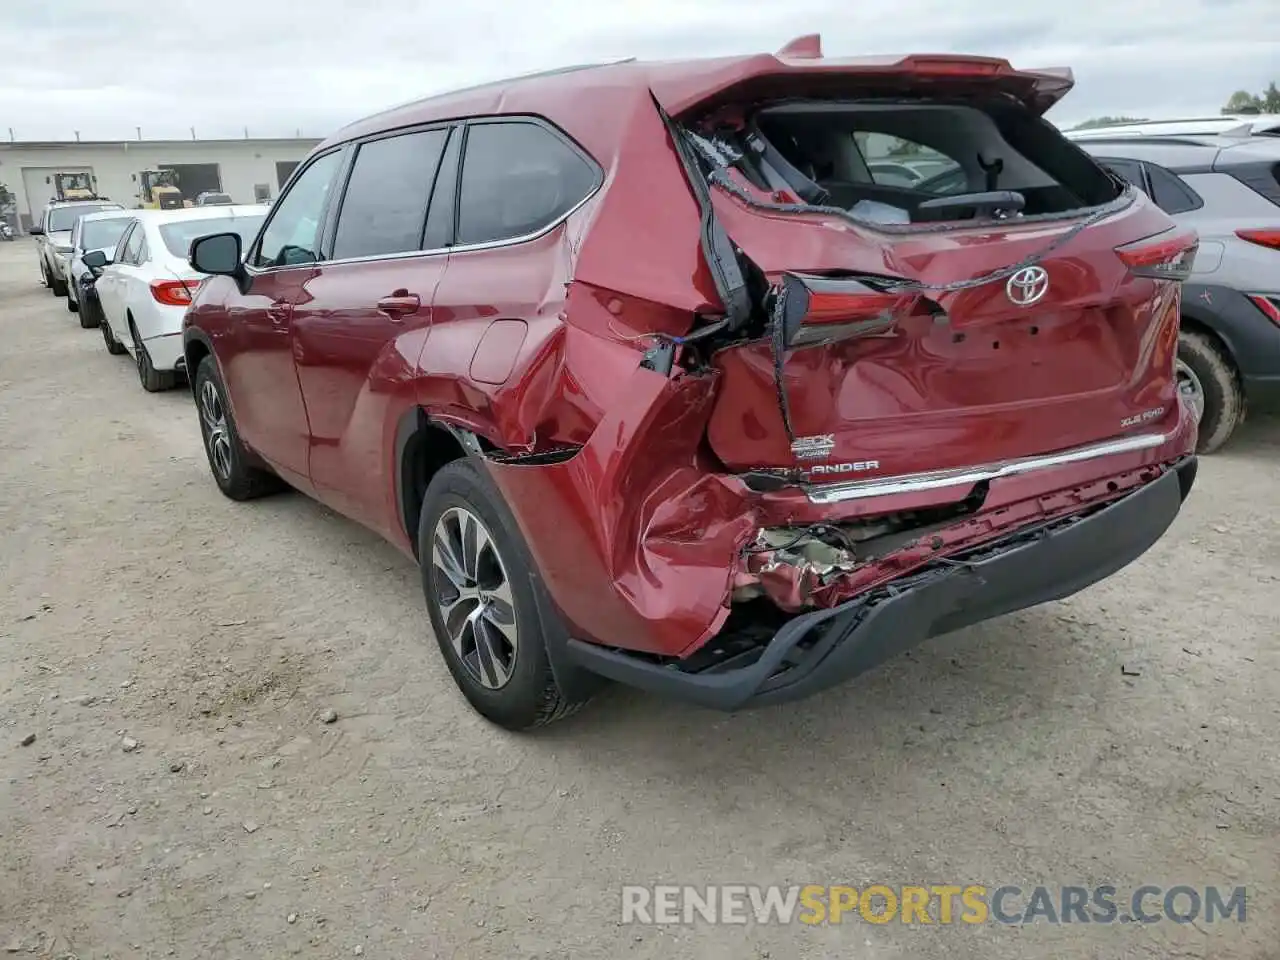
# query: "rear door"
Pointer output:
{"type": "Point", "coordinates": [360, 320]}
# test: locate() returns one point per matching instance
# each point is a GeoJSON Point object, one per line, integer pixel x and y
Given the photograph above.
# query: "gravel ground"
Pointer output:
{"type": "Point", "coordinates": [174, 655]}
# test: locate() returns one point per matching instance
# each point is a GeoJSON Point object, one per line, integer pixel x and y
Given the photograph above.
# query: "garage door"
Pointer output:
{"type": "Point", "coordinates": [195, 178]}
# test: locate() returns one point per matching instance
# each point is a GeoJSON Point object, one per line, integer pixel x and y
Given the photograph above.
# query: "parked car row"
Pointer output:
{"type": "Point", "coordinates": [658, 383]}
{"type": "Point", "coordinates": [126, 273]}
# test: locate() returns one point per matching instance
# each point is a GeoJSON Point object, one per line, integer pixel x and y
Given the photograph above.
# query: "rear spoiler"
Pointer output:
{"type": "Point", "coordinates": [803, 62]}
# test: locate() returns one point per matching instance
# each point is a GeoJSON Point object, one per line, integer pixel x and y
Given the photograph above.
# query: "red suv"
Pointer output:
{"type": "Point", "coordinates": [689, 376]}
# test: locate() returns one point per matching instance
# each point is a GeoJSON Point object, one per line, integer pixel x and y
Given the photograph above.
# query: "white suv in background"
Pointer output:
{"type": "Point", "coordinates": [53, 237]}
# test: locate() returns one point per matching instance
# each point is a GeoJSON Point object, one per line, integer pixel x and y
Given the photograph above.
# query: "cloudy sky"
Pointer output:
{"type": "Point", "coordinates": [104, 67]}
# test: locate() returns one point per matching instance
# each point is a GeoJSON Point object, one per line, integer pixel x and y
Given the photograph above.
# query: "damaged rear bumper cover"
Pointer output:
{"type": "Point", "coordinates": [824, 648]}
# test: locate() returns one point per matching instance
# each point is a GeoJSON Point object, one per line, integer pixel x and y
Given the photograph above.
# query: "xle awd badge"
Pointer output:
{"type": "Point", "coordinates": [813, 448]}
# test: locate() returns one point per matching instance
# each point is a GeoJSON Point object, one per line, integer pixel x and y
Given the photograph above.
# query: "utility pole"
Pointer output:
{"type": "Point", "coordinates": [139, 129]}
{"type": "Point", "coordinates": [77, 136]}
{"type": "Point", "coordinates": [11, 134]}
{"type": "Point", "coordinates": [193, 133]}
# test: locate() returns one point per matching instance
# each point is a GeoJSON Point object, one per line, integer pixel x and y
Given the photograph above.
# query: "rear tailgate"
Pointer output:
{"type": "Point", "coordinates": [963, 376]}
{"type": "Point", "coordinates": [978, 365]}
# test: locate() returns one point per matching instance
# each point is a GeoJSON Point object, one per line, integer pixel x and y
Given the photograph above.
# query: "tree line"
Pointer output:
{"type": "Point", "coordinates": [1240, 102]}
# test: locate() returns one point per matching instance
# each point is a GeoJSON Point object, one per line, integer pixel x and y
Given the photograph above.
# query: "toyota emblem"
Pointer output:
{"type": "Point", "coordinates": [1027, 286]}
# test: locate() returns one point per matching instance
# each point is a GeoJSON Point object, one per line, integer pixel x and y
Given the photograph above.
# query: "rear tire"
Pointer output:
{"type": "Point", "coordinates": [59, 287]}
{"type": "Point", "coordinates": [114, 346]}
{"type": "Point", "coordinates": [1214, 375]}
{"type": "Point", "coordinates": [152, 380]}
{"type": "Point", "coordinates": [228, 457]}
{"type": "Point", "coordinates": [484, 601]}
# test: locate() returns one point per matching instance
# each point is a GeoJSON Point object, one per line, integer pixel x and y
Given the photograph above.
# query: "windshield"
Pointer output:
{"type": "Point", "coordinates": [64, 218]}
{"type": "Point", "coordinates": [100, 234]}
{"type": "Point", "coordinates": [178, 236]}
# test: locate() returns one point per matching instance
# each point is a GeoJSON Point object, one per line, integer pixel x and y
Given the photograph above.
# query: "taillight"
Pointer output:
{"type": "Point", "coordinates": [173, 293]}
{"type": "Point", "coordinates": [1263, 238]}
{"type": "Point", "coordinates": [814, 310]}
{"type": "Point", "coordinates": [1166, 256]}
{"type": "Point", "coordinates": [1268, 305]}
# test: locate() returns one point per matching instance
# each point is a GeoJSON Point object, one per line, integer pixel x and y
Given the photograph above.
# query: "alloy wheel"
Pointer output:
{"type": "Point", "coordinates": [214, 417]}
{"type": "Point", "coordinates": [470, 586]}
{"type": "Point", "coordinates": [1191, 390]}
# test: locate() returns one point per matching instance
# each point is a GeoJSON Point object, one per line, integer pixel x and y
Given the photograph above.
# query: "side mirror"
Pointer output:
{"type": "Point", "coordinates": [35, 231]}
{"type": "Point", "coordinates": [217, 254]}
{"type": "Point", "coordinates": [95, 260]}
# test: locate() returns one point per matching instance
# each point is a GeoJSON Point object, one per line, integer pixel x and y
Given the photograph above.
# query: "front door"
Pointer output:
{"type": "Point", "coordinates": [258, 361]}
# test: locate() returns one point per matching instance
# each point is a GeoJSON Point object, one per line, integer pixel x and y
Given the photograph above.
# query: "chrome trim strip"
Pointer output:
{"type": "Point", "coordinates": [938, 479]}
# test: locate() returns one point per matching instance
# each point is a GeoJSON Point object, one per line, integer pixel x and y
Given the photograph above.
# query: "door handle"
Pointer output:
{"type": "Point", "coordinates": [279, 312]}
{"type": "Point", "coordinates": [399, 304]}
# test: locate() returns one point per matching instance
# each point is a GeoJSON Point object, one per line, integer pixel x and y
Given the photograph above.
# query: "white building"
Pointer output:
{"type": "Point", "coordinates": [248, 170]}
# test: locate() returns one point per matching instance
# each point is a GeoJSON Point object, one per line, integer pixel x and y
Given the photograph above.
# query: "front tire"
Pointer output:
{"type": "Point", "coordinates": [59, 287]}
{"type": "Point", "coordinates": [483, 592]}
{"type": "Point", "coordinates": [72, 306]}
{"type": "Point", "coordinates": [1207, 379]}
{"type": "Point", "coordinates": [89, 315]}
{"type": "Point", "coordinates": [228, 457]}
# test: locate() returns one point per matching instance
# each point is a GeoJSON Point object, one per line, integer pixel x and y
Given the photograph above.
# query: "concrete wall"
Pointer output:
{"type": "Point", "coordinates": [241, 165]}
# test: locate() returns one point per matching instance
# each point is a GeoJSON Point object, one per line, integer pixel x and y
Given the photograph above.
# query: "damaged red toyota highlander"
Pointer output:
{"type": "Point", "coordinates": [660, 381]}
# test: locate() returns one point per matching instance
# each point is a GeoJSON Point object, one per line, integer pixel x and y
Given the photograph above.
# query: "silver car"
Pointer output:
{"type": "Point", "coordinates": [1226, 186]}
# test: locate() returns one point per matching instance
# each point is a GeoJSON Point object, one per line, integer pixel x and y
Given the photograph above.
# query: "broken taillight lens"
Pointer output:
{"type": "Point", "coordinates": [815, 310]}
{"type": "Point", "coordinates": [1263, 238]}
{"type": "Point", "coordinates": [1166, 256]}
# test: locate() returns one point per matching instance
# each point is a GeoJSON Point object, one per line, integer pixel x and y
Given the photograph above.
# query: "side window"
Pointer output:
{"type": "Point", "coordinates": [122, 245]}
{"type": "Point", "coordinates": [517, 178]}
{"type": "Point", "coordinates": [1130, 170]}
{"type": "Point", "coordinates": [131, 246]}
{"type": "Point", "coordinates": [385, 204]}
{"type": "Point", "coordinates": [144, 252]}
{"type": "Point", "coordinates": [292, 235]}
{"type": "Point", "coordinates": [1169, 191]}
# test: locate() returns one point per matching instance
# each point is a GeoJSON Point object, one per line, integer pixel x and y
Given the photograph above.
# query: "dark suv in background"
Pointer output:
{"type": "Point", "coordinates": [1224, 184]}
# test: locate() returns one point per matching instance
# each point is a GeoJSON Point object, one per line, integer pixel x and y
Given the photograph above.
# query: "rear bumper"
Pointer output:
{"type": "Point", "coordinates": [823, 648]}
{"type": "Point", "coordinates": [166, 351]}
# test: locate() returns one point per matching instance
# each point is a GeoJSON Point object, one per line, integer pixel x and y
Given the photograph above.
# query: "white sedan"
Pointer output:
{"type": "Point", "coordinates": [146, 286]}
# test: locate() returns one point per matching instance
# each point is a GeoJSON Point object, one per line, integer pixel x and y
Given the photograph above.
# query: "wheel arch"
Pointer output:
{"type": "Point", "coordinates": [422, 447]}
{"type": "Point", "coordinates": [195, 347]}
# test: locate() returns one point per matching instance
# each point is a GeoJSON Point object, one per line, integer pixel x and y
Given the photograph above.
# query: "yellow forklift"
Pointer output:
{"type": "Point", "coordinates": [74, 186]}
{"type": "Point", "coordinates": [159, 190]}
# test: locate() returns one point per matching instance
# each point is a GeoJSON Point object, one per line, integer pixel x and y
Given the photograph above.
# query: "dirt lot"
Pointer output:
{"type": "Point", "coordinates": [136, 604]}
